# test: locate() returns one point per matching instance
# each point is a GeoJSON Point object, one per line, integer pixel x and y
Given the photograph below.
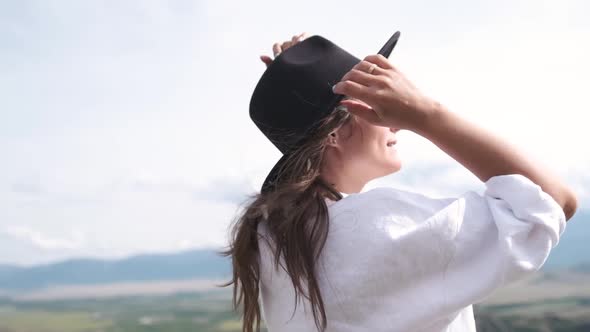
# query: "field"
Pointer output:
{"type": "Point", "coordinates": [545, 303]}
{"type": "Point", "coordinates": [206, 311]}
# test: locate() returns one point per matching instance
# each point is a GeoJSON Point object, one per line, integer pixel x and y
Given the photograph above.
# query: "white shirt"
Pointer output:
{"type": "Point", "coordinates": [397, 260]}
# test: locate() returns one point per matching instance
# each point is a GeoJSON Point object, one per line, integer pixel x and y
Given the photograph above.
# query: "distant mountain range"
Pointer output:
{"type": "Point", "coordinates": [571, 253]}
{"type": "Point", "coordinates": [193, 264]}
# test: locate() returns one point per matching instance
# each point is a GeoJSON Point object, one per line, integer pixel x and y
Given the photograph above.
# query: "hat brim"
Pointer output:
{"type": "Point", "coordinates": [271, 178]}
{"type": "Point", "coordinates": [389, 45]}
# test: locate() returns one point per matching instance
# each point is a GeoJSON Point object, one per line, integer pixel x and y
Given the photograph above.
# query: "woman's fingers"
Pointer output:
{"type": "Point", "coordinates": [362, 77]}
{"type": "Point", "coordinates": [380, 61]}
{"type": "Point", "coordinates": [266, 59]}
{"type": "Point", "coordinates": [365, 66]}
{"type": "Point", "coordinates": [286, 45]}
{"type": "Point", "coordinates": [363, 110]}
{"type": "Point", "coordinates": [368, 74]}
{"type": "Point", "coordinates": [276, 49]}
{"type": "Point", "coordinates": [359, 77]}
{"type": "Point", "coordinates": [351, 89]}
{"type": "Point", "coordinates": [301, 37]}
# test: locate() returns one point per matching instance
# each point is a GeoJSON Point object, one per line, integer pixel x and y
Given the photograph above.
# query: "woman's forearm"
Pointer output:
{"type": "Point", "coordinates": [487, 155]}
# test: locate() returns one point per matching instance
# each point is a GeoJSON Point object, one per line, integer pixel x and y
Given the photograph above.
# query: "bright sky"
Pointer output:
{"type": "Point", "coordinates": [124, 125]}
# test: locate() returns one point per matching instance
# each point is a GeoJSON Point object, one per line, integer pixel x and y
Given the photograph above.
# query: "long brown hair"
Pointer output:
{"type": "Point", "coordinates": [296, 216]}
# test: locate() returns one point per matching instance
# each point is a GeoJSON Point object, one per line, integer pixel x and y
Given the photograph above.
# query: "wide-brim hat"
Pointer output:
{"type": "Point", "coordinates": [295, 94]}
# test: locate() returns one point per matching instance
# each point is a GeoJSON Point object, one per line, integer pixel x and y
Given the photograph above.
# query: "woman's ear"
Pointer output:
{"type": "Point", "coordinates": [332, 138]}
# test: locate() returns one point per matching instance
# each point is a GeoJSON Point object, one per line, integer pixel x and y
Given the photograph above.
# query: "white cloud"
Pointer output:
{"type": "Point", "coordinates": [130, 121]}
{"type": "Point", "coordinates": [76, 240]}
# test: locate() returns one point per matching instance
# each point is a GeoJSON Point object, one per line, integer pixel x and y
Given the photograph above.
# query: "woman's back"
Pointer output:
{"type": "Point", "coordinates": [397, 260]}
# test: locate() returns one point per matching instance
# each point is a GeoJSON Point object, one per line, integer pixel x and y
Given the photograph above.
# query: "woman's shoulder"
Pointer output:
{"type": "Point", "coordinates": [395, 197]}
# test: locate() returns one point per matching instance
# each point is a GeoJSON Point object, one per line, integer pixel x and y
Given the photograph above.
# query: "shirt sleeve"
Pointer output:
{"type": "Point", "coordinates": [499, 237]}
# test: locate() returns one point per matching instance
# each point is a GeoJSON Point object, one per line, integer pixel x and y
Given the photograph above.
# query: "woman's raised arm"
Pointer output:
{"type": "Point", "coordinates": [486, 154]}
{"type": "Point", "coordinates": [391, 100]}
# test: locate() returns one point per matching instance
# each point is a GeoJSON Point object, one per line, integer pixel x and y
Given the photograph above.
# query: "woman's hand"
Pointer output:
{"type": "Point", "coordinates": [385, 97]}
{"type": "Point", "coordinates": [277, 48]}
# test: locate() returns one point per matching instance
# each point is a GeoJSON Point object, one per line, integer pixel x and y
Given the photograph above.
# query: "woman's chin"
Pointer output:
{"type": "Point", "coordinates": [392, 167]}
{"type": "Point", "coordinates": [396, 166]}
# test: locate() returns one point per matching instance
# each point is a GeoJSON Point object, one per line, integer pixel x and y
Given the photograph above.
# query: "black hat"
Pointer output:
{"type": "Point", "coordinates": [295, 93]}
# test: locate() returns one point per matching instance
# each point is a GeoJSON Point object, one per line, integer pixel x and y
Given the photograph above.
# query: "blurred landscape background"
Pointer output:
{"type": "Point", "coordinates": [181, 292]}
{"type": "Point", "coordinates": [127, 148]}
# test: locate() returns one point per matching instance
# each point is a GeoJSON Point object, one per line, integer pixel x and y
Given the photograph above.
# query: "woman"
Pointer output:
{"type": "Point", "coordinates": [323, 255]}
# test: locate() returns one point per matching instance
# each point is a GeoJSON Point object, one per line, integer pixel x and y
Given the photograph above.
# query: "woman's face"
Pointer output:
{"type": "Point", "coordinates": [369, 148]}
{"type": "Point", "coordinates": [361, 152]}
